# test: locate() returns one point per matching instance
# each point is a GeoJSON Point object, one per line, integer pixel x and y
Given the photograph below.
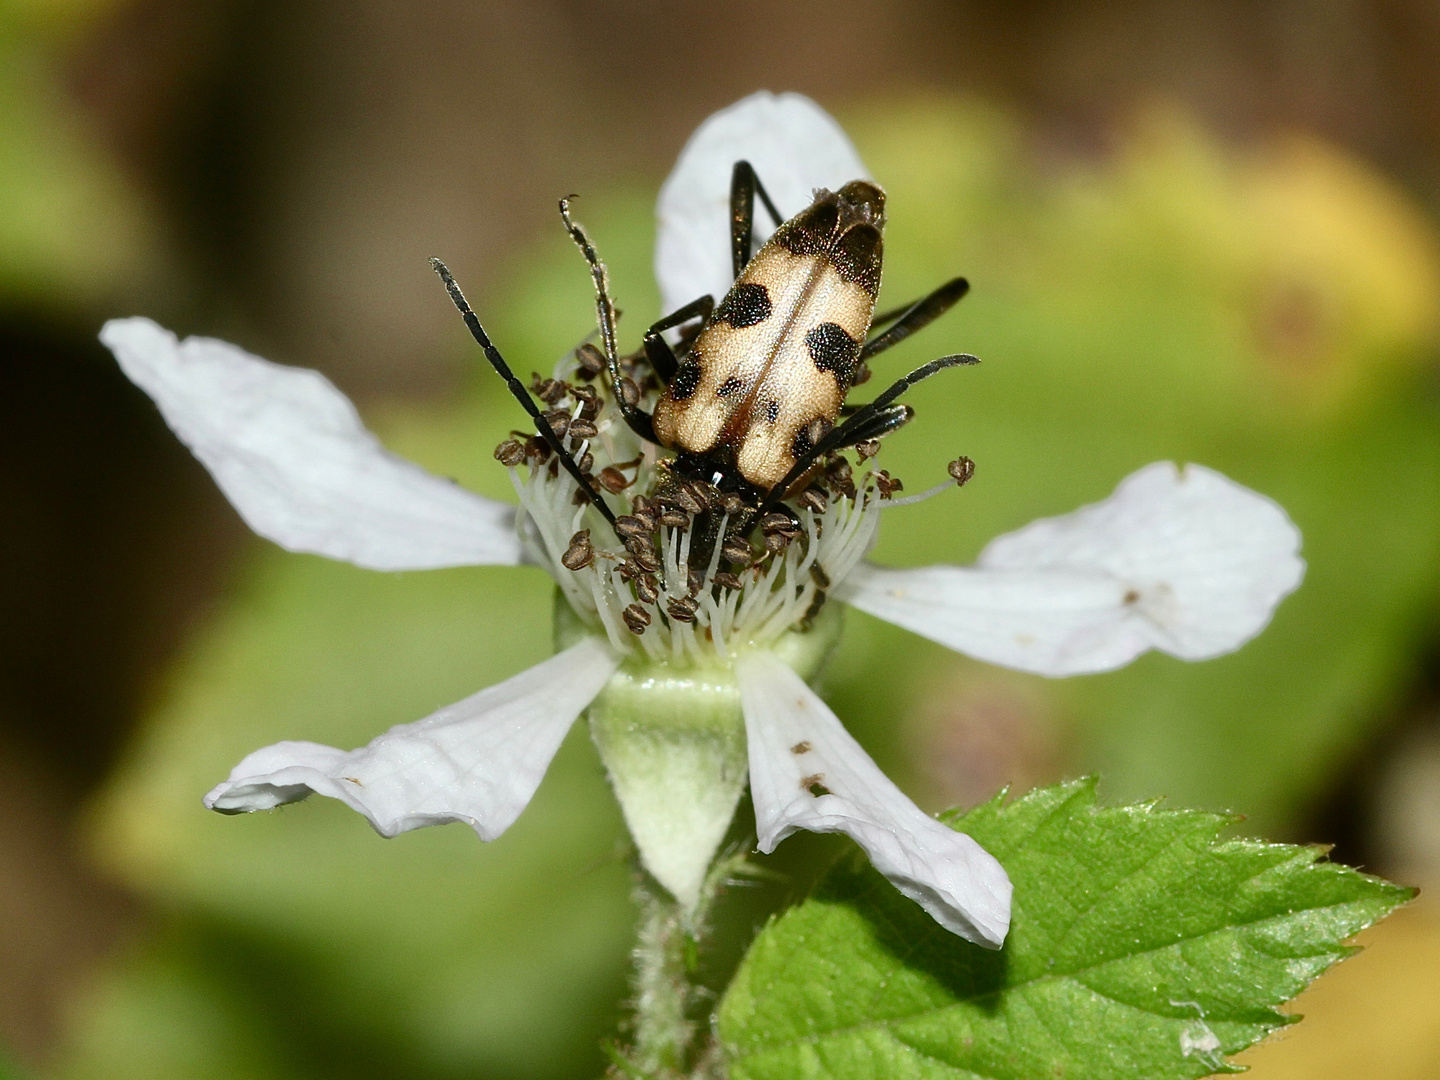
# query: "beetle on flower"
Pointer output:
{"type": "Point", "coordinates": [691, 649]}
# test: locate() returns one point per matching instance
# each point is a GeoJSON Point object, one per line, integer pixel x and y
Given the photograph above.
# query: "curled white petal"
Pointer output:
{"type": "Point", "coordinates": [478, 761]}
{"type": "Point", "coordinates": [806, 772]}
{"type": "Point", "coordinates": [795, 146]}
{"type": "Point", "coordinates": [293, 457]}
{"type": "Point", "coordinates": [1185, 561]}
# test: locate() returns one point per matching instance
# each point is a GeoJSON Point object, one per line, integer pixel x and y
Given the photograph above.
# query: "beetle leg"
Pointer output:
{"type": "Point", "coordinates": [638, 419]}
{"type": "Point", "coordinates": [870, 421]}
{"type": "Point", "coordinates": [517, 388]}
{"type": "Point", "coordinates": [658, 350]}
{"type": "Point", "coordinates": [744, 186]}
{"type": "Point", "coordinates": [915, 316]}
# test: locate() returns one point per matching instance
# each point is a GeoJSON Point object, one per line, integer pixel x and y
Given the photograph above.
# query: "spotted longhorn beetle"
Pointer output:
{"type": "Point", "coordinates": [750, 401]}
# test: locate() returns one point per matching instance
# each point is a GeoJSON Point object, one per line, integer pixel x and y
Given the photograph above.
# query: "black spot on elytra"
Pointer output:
{"type": "Point", "coordinates": [772, 410]}
{"type": "Point", "coordinates": [745, 305]}
{"type": "Point", "coordinates": [802, 444]}
{"type": "Point", "coordinates": [686, 380]}
{"type": "Point", "coordinates": [835, 351]}
{"type": "Point", "coordinates": [729, 386]}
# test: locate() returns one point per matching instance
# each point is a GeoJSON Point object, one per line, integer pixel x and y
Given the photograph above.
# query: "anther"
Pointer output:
{"type": "Point", "coordinates": [776, 542]}
{"type": "Point", "coordinates": [813, 499]}
{"type": "Point", "coordinates": [675, 519]}
{"type": "Point", "coordinates": [682, 609]}
{"type": "Point", "coordinates": [559, 420]}
{"type": "Point", "coordinates": [645, 559]}
{"type": "Point", "coordinates": [629, 392]}
{"type": "Point", "coordinates": [867, 449]}
{"type": "Point", "coordinates": [613, 480]}
{"type": "Point", "coordinates": [727, 580]}
{"type": "Point", "coordinates": [580, 553]}
{"type": "Point", "coordinates": [636, 618]}
{"type": "Point", "coordinates": [629, 525]}
{"type": "Point", "coordinates": [586, 463]}
{"type": "Point", "coordinates": [695, 579]}
{"type": "Point", "coordinates": [819, 576]}
{"type": "Point", "coordinates": [537, 448]}
{"type": "Point", "coordinates": [961, 469]}
{"type": "Point", "coordinates": [510, 453]}
{"type": "Point", "coordinates": [736, 550]}
{"type": "Point", "coordinates": [580, 428]}
{"type": "Point", "coordinates": [647, 588]}
{"type": "Point", "coordinates": [732, 504]}
{"type": "Point", "coordinates": [590, 359]}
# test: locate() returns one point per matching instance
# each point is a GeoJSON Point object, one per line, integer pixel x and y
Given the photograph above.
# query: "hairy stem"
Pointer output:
{"type": "Point", "coordinates": [666, 992]}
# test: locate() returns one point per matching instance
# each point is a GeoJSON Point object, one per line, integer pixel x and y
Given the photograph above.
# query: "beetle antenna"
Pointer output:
{"type": "Point", "coordinates": [639, 420]}
{"type": "Point", "coordinates": [517, 388]}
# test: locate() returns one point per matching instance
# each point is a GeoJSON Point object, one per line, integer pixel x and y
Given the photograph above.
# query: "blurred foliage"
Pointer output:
{"type": "Point", "coordinates": [75, 227]}
{"type": "Point", "coordinates": [1266, 312]}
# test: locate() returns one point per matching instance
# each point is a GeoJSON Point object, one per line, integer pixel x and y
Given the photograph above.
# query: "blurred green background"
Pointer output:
{"type": "Point", "coordinates": [1200, 231]}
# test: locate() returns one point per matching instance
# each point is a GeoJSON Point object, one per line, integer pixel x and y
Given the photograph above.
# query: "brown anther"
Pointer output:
{"type": "Point", "coordinates": [675, 519]}
{"type": "Point", "coordinates": [639, 502]}
{"type": "Point", "coordinates": [686, 499]}
{"type": "Point", "coordinates": [727, 580]}
{"type": "Point", "coordinates": [589, 410]}
{"type": "Point", "coordinates": [818, 575]}
{"type": "Point", "coordinates": [813, 499]}
{"type": "Point", "coordinates": [629, 571]}
{"type": "Point", "coordinates": [584, 394]}
{"type": "Point", "coordinates": [613, 480]}
{"type": "Point", "coordinates": [695, 579]}
{"type": "Point", "coordinates": [580, 428]}
{"type": "Point", "coordinates": [510, 453]}
{"type": "Point", "coordinates": [961, 469]}
{"type": "Point", "coordinates": [629, 392]}
{"type": "Point", "coordinates": [887, 484]}
{"type": "Point", "coordinates": [839, 469]}
{"type": "Point", "coordinates": [778, 521]}
{"type": "Point", "coordinates": [580, 553]}
{"type": "Point", "coordinates": [629, 525]}
{"type": "Point", "coordinates": [732, 504]}
{"type": "Point", "coordinates": [776, 542]}
{"type": "Point", "coordinates": [636, 618]}
{"type": "Point", "coordinates": [650, 516]}
{"type": "Point", "coordinates": [647, 588]}
{"type": "Point", "coordinates": [682, 609]}
{"type": "Point", "coordinates": [867, 449]}
{"type": "Point", "coordinates": [559, 420]}
{"type": "Point", "coordinates": [646, 560]}
{"type": "Point", "coordinates": [590, 359]}
{"type": "Point", "coordinates": [862, 375]}
{"type": "Point", "coordinates": [537, 448]}
{"type": "Point", "coordinates": [550, 391]}
{"type": "Point", "coordinates": [736, 550]}
{"type": "Point", "coordinates": [581, 497]}
{"type": "Point", "coordinates": [586, 463]}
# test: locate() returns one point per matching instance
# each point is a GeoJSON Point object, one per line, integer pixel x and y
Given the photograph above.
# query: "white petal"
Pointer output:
{"type": "Point", "coordinates": [478, 761]}
{"type": "Point", "coordinates": [292, 456]}
{"type": "Point", "coordinates": [1184, 561]}
{"type": "Point", "coordinates": [795, 742]}
{"type": "Point", "coordinates": [795, 146]}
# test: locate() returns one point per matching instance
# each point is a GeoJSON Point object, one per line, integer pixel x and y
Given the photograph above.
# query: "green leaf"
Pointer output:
{"type": "Point", "coordinates": [1141, 947]}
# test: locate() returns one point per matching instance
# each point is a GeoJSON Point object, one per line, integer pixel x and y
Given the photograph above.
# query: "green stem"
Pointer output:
{"type": "Point", "coordinates": [666, 963]}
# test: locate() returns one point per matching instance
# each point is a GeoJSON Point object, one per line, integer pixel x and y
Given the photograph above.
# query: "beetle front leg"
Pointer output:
{"type": "Point", "coordinates": [657, 349]}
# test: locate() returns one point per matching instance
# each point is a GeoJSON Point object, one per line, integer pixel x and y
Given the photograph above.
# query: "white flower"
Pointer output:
{"type": "Point", "coordinates": [691, 683]}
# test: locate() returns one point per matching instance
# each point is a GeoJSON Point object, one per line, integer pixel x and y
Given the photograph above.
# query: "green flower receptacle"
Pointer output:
{"type": "Point", "coordinates": [672, 738]}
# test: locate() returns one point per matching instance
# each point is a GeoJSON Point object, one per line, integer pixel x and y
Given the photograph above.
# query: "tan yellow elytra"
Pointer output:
{"type": "Point", "coordinates": [766, 377]}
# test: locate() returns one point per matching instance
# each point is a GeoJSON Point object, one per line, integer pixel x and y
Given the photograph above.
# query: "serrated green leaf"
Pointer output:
{"type": "Point", "coordinates": [1142, 946]}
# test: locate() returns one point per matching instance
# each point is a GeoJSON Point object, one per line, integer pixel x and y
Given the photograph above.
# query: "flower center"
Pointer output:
{"type": "Point", "coordinates": [689, 574]}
